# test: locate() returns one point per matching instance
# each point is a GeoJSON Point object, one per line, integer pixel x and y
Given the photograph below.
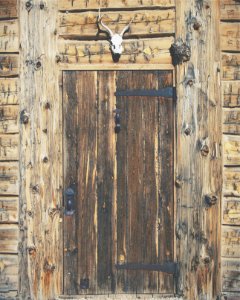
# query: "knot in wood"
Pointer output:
{"type": "Point", "coordinates": [48, 267]}
{"type": "Point", "coordinates": [45, 159]}
{"type": "Point", "coordinates": [31, 250]}
{"type": "Point", "coordinates": [205, 150]}
{"type": "Point", "coordinates": [188, 131]}
{"type": "Point", "coordinates": [210, 200]}
{"type": "Point", "coordinates": [196, 25]}
{"type": "Point", "coordinates": [35, 189]}
{"type": "Point", "coordinates": [28, 5]}
{"type": "Point", "coordinates": [24, 117]}
{"type": "Point", "coordinates": [38, 65]}
{"type": "Point", "coordinates": [180, 52]}
{"type": "Point", "coordinates": [41, 5]}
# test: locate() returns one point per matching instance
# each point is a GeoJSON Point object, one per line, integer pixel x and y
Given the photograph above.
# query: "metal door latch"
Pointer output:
{"type": "Point", "coordinates": [117, 120]}
{"type": "Point", "coordinates": [69, 202]}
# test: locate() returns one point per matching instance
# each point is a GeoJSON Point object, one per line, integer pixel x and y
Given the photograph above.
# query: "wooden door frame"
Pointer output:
{"type": "Point", "coordinates": [127, 68]}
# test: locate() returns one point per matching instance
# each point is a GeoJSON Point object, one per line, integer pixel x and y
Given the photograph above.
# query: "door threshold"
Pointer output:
{"type": "Point", "coordinates": [121, 297]}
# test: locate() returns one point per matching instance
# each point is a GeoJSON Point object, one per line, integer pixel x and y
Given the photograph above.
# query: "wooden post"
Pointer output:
{"type": "Point", "coordinates": [199, 162]}
{"type": "Point", "coordinates": [41, 154]}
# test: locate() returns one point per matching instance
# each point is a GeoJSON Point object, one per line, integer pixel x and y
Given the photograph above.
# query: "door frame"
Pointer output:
{"type": "Point", "coordinates": [119, 67]}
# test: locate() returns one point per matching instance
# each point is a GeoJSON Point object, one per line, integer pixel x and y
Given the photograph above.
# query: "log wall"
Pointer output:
{"type": "Point", "coordinates": [9, 149]}
{"type": "Point", "coordinates": [230, 75]}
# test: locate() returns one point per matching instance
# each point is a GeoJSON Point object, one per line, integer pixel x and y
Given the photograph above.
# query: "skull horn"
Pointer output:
{"type": "Point", "coordinates": [103, 25]}
{"type": "Point", "coordinates": [125, 29]}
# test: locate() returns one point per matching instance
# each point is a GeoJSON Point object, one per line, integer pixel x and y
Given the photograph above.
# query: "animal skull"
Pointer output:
{"type": "Point", "coordinates": [116, 38]}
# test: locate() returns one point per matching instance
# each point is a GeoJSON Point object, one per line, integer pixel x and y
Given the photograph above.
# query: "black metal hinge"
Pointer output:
{"type": "Point", "coordinates": [167, 267]}
{"type": "Point", "coordinates": [167, 92]}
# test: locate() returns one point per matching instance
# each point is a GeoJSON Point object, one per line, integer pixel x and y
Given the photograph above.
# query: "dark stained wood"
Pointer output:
{"type": "Point", "coordinates": [166, 186]}
{"type": "Point", "coordinates": [8, 9]}
{"type": "Point", "coordinates": [106, 182]}
{"type": "Point", "coordinates": [83, 229]}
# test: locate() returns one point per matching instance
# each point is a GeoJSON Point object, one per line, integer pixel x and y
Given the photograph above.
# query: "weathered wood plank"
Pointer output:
{"type": "Point", "coordinates": [106, 182]}
{"type": "Point", "coordinates": [231, 120]}
{"type": "Point", "coordinates": [8, 9]}
{"type": "Point", "coordinates": [9, 149]}
{"type": "Point", "coordinates": [231, 150]}
{"type": "Point", "coordinates": [147, 51]}
{"type": "Point", "coordinates": [9, 91]}
{"type": "Point", "coordinates": [231, 93]}
{"type": "Point", "coordinates": [8, 65]}
{"type": "Point", "coordinates": [41, 195]}
{"type": "Point", "coordinates": [230, 10]}
{"type": "Point", "coordinates": [231, 182]}
{"type": "Point", "coordinates": [198, 174]}
{"type": "Point", "coordinates": [230, 36]}
{"type": "Point", "coordinates": [230, 241]}
{"type": "Point", "coordinates": [9, 178]}
{"type": "Point", "coordinates": [95, 4]}
{"type": "Point", "coordinates": [230, 275]}
{"type": "Point", "coordinates": [8, 209]}
{"type": "Point", "coordinates": [145, 22]}
{"type": "Point", "coordinates": [9, 238]}
{"type": "Point", "coordinates": [231, 211]}
{"type": "Point", "coordinates": [8, 274]}
{"type": "Point", "coordinates": [9, 36]}
{"type": "Point", "coordinates": [230, 66]}
{"type": "Point", "coordinates": [9, 119]}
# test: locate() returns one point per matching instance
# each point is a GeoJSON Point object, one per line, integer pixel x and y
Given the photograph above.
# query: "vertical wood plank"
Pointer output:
{"type": "Point", "coordinates": [106, 182]}
{"type": "Point", "coordinates": [197, 175]}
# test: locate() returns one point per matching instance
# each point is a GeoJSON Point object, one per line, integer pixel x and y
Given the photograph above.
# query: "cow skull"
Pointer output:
{"type": "Point", "coordinates": [116, 38]}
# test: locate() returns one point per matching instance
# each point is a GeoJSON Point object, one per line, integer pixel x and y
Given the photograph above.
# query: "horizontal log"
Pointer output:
{"type": "Point", "coordinates": [9, 119]}
{"type": "Point", "coordinates": [145, 22]}
{"type": "Point", "coordinates": [231, 120]}
{"type": "Point", "coordinates": [231, 211]}
{"type": "Point", "coordinates": [230, 275]}
{"type": "Point", "coordinates": [231, 150]}
{"type": "Point", "coordinates": [8, 9]}
{"type": "Point", "coordinates": [9, 147]}
{"type": "Point", "coordinates": [145, 51]}
{"type": "Point", "coordinates": [9, 178]}
{"type": "Point", "coordinates": [8, 275]}
{"type": "Point", "coordinates": [9, 91]}
{"type": "Point", "coordinates": [8, 209]}
{"type": "Point", "coordinates": [9, 36]}
{"type": "Point", "coordinates": [9, 238]}
{"type": "Point", "coordinates": [230, 241]}
{"type": "Point", "coordinates": [230, 10]}
{"type": "Point", "coordinates": [231, 66]}
{"type": "Point", "coordinates": [231, 182]}
{"type": "Point", "coordinates": [94, 4]}
{"type": "Point", "coordinates": [8, 65]}
{"type": "Point", "coordinates": [231, 93]}
{"type": "Point", "coordinates": [230, 36]}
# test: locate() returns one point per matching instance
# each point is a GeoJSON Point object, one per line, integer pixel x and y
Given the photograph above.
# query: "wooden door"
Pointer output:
{"type": "Point", "coordinates": [118, 174]}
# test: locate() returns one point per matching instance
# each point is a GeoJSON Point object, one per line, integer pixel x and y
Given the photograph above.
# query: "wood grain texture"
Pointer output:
{"type": "Point", "coordinates": [41, 196]}
{"type": "Point", "coordinates": [8, 275]}
{"type": "Point", "coordinates": [230, 242]}
{"type": "Point", "coordinates": [231, 121]}
{"type": "Point", "coordinates": [230, 275]}
{"type": "Point", "coordinates": [230, 66]}
{"type": "Point", "coordinates": [197, 175]}
{"type": "Point", "coordinates": [231, 211]}
{"type": "Point", "coordinates": [8, 65]}
{"type": "Point", "coordinates": [8, 9]}
{"type": "Point", "coordinates": [144, 51]}
{"type": "Point", "coordinates": [145, 22]}
{"type": "Point", "coordinates": [230, 36]}
{"type": "Point", "coordinates": [9, 175]}
{"type": "Point", "coordinates": [9, 36]}
{"type": "Point", "coordinates": [9, 91]}
{"type": "Point", "coordinates": [8, 209]}
{"type": "Point", "coordinates": [9, 238]}
{"type": "Point", "coordinates": [95, 4]}
{"type": "Point", "coordinates": [231, 151]}
{"type": "Point", "coordinates": [9, 119]}
{"type": "Point", "coordinates": [9, 147]}
{"type": "Point", "coordinates": [229, 10]}
{"type": "Point", "coordinates": [231, 182]}
{"type": "Point", "coordinates": [231, 93]}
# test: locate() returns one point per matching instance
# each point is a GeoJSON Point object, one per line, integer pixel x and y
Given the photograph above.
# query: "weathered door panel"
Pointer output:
{"type": "Point", "coordinates": [123, 182]}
